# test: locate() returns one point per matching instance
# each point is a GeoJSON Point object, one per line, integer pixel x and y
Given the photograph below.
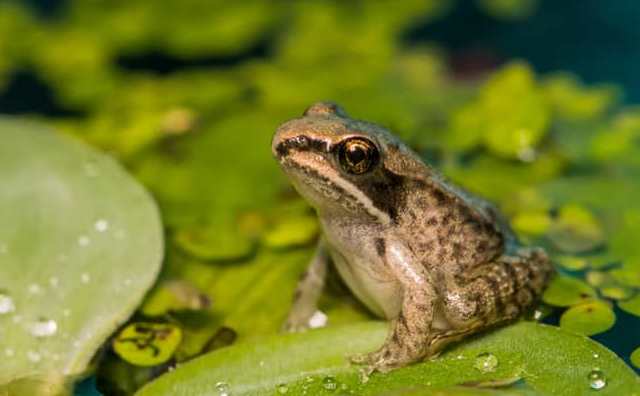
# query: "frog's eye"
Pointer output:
{"type": "Point", "coordinates": [357, 155]}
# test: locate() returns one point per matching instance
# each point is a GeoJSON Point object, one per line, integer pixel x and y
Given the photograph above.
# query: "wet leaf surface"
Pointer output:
{"type": "Point", "coordinates": [81, 242]}
{"type": "Point", "coordinates": [316, 363]}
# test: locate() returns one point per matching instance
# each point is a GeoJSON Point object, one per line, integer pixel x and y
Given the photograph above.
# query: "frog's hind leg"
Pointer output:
{"type": "Point", "coordinates": [310, 285]}
{"type": "Point", "coordinates": [494, 293]}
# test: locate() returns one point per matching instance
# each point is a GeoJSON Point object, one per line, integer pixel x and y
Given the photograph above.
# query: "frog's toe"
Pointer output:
{"type": "Point", "coordinates": [294, 327]}
{"type": "Point", "coordinates": [360, 358]}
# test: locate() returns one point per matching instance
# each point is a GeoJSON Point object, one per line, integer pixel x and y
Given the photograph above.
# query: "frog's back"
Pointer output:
{"type": "Point", "coordinates": [451, 228]}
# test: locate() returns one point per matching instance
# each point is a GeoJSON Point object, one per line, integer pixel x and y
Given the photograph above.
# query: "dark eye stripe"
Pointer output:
{"type": "Point", "coordinates": [301, 143]}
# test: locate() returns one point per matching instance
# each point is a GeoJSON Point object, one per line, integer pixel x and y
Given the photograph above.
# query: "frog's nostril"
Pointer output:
{"type": "Point", "coordinates": [300, 141]}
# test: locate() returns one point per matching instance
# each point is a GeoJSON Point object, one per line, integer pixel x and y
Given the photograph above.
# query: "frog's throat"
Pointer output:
{"type": "Point", "coordinates": [338, 187]}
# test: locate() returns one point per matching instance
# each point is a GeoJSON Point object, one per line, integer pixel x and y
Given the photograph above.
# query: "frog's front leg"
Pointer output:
{"type": "Point", "coordinates": [305, 298]}
{"type": "Point", "coordinates": [410, 332]}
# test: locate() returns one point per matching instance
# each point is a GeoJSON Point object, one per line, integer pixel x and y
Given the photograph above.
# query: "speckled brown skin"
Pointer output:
{"type": "Point", "coordinates": [436, 261]}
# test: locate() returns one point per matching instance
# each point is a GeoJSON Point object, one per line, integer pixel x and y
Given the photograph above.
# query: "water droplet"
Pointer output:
{"type": "Point", "coordinates": [33, 356]}
{"type": "Point", "coordinates": [537, 314]}
{"type": "Point", "coordinates": [460, 357]}
{"type": "Point", "coordinates": [43, 328]}
{"type": "Point", "coordinates": [101, 225]}
{"type": "Point", "coordinates": [282, 389]}
{"type": "Point", "coordinates": [85, 277]}
{"type": "Point", "coordinates": [223, 389]}
{"type": "Point", "coordinates": [54, 281]}
{"type": "Point", "coordinates": [486, 362]}
{"type": "Point", "coordinates": [34, 288]}
{"type": "Point", "coordinates": [329, 383]}
{"type": "Point", "coordinates": [9, 352]}
{"type": "Point", "coordinates": [83, 240]}
{"type": "Point", "coordinates": [597, 380]}
{"type": "Point", "coordinates": [6, 304]}
{"type": "Point", "coordinates": [595, 355]}
{"type": "Point", "coordinates": [261, 363]}
{"type": "Point", "coordinates": [318, 319]}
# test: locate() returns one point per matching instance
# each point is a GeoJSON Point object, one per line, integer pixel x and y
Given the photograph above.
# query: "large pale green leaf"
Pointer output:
{"type": "Point", "coordinates": [548, 359]}
{"type": "Point", "coordinates": [80, 244]}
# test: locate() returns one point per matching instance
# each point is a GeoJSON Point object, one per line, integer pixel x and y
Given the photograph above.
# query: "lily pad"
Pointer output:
{"type": "Point", "coordinates": [635, 357]}
{"type": "Point", "coordinates": [632, 305]}
{"type": "Point", "coordinates": [576, 230]}
{"type": "Point", "coordinates": [552, 361]}
{"type": "Point", "coordinates": [147, 344]}
{"type": "Point", "coordinates": [571, 263]}
{"type": "Point", "coordinates": [564, 291]}
{"type": "Point", "coordinates": [517, 114]}
{"type": "Point", "coordinates": [588, 318]}
{"type": "Point", "coordinates": [81, 243]}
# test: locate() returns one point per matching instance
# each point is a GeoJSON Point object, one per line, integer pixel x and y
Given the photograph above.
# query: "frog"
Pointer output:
{"type": "Point", "coordinates": [436, 261]}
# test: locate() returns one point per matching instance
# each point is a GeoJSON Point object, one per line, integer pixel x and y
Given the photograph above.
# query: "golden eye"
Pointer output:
{"type": "Point", "coordinates": [357, 155]}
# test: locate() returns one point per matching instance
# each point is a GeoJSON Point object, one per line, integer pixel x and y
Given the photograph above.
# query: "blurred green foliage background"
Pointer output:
{"type": "Point", "coordinates": [188, 93]}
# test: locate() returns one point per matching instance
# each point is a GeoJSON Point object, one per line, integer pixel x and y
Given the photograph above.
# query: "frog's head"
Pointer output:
{"type": "Point", "coordinates": [345, 166]}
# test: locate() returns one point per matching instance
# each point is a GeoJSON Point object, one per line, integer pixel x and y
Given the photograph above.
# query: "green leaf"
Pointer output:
{"type": "Point", "coordinates": [147, 344]}
{"type": "Point", "coordinates": [631, 306]}
{"type": "Point", "coordinates": [564, 291]}
{"type": "Point", "coordinates": [588, 318]}
{"type": "Point", "coordinates": [80, 244]}
{"type": "Point", "coordinates": [576, 230]}
{"type": "Point", "coordinates": [635, 357]}
{"type": "Point", "coordinates": [517, 114]}
{"type": "Point", "coordinates": [551, 361]}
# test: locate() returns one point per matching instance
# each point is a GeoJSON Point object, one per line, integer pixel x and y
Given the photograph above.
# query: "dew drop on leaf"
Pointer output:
{"type": "Point", "coordinates": [486, 362]}
{"type": "Point", "coordinates": [35, 288]}
{"type": "Point", "coordinates": [317, 320]}
{"type": "Point", "coordinates": [6, 304]}
{"type": "Point", "coordinates": [597, 380]}
{"type": "Point", "coordinates": [101, 225]}
{"type": "Point", "coordinates": [223, 389]}
{"type": "Point", "coordinates": [329, 383]}
{"type": "Point", "coordinates": [43, 328]}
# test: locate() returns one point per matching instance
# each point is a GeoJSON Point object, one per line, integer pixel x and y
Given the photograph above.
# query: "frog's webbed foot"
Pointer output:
{"type": "Point", "coordinates": [305, 298]}
{"type": "Point", "coordinates": [387, 358]}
